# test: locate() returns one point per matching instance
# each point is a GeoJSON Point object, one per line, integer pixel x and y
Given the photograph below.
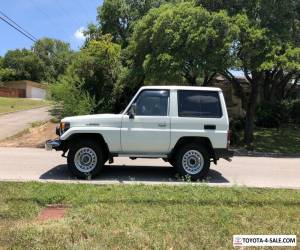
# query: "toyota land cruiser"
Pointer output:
{"type": "Point", "coordinates": [186, 126]}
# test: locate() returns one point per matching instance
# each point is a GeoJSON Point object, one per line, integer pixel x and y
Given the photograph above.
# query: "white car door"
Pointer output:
{"type": "Point", "coordinates": [148, 131]}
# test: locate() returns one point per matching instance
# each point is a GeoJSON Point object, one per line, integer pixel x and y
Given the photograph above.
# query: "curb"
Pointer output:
{"type": "Point", "coordinates": [244, 152]}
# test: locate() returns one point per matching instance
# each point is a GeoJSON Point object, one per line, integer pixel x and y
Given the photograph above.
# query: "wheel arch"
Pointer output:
{"type": "Point", "coordinates": [205, 141]}
{"type": "Point", "coordinates": [88, 136]}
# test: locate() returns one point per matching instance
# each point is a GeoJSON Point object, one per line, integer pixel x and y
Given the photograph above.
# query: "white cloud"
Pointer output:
{"type": "Point", "coordinates": [79, 34]}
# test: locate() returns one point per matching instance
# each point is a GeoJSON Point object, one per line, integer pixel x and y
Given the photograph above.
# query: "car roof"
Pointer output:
{"type": "Point", "coordinates": [182, 88]}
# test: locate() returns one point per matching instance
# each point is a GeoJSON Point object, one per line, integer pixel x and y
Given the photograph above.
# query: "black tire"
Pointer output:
{"type": "Point", "coordinates": [99, 162]}
{"type": "Point", "coordinates": [203, 172]}
{"type": "Point", "coordinates": [172, 161]}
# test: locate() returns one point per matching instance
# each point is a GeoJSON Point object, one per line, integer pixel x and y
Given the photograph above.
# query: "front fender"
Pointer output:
{"type": "Point", "coordinates": [111, 135]}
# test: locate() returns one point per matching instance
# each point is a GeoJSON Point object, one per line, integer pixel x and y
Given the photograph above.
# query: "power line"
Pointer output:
{"type": "Point", "coordinates": [19, 30]}
{"type": "Point", "coordinates": [29, 36]}
{"type": "Point", "coordinates": [63, 10]}
{"type": "Point", "coordinates": [25, 31]}
{"type": "Point", "coordinates": [49, 18]}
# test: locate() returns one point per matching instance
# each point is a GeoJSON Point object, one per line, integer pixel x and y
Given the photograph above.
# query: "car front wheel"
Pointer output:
{"type": "Point", "coordinates": [193, 160]}
{"type": "Point", "coordinates": [85, 158]}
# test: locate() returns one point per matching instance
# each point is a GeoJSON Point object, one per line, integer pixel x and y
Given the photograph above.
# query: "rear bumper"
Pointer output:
{"type": "Point", "coordinates": [54, 144]}
{"type": "Point", "coordinates": [224, 153]}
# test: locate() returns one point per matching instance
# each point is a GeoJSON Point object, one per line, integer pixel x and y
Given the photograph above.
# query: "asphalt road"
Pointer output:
{"type": "Point", "coordinates": [15, 122]}
{"type": "Point", "coordinates": [25, 164]}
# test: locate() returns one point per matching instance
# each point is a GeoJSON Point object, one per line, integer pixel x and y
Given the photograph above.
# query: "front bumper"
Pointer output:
{"type": "Point", "coordinates": [224, 153]}
{"type": "Point", "coordinates": [54, 144]}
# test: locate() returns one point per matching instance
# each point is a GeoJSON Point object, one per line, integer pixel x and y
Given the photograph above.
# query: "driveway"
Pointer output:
{"type": "Point", "coordinates": [13, 123]}
{"type": "Point", "coordinates": [25, 164]}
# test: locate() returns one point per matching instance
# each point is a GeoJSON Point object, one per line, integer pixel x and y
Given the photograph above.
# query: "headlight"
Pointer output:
{"type": "Point", "coordinates": [64, 126]}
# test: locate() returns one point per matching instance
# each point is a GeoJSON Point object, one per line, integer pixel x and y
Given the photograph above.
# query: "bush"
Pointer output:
{"type": "Point", "coordinates": [272, 115]}
{"type": "Point", "coordinates": [236, 125]}
{"type": "Point", "coordinates": [295, 111]}
{"type": "Point", "coordinates": [268, 115]}
{"type": "Point", "coordinates": [70, 99]}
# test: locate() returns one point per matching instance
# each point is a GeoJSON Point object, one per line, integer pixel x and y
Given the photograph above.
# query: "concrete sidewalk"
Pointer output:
{"type": "Point", "coordinates": [27, 164]}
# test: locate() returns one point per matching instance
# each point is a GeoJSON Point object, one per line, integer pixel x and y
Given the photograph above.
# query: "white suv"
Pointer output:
{"type": "Point", "coordinates": [186, 126]}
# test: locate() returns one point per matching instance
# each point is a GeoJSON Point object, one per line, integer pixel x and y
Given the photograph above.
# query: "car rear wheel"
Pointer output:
{"type": "Point", "coordinates": [193, 160]}
{"type": "Point", "coordinates": [85, 158]}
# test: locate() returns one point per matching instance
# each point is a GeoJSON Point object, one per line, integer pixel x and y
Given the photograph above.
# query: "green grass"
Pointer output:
{"type": "Point", "coordinates": [17, 104]}
{"type": "Point", "coordinates": [282, 140]}
{"type": "Point", "coordinates": [142, 217]}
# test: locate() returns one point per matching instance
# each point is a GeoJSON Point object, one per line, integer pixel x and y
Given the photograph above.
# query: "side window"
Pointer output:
{"type": "Point", "coordinates": [152, 103]}
{"type": "Point", "coordinates": [204, 104]}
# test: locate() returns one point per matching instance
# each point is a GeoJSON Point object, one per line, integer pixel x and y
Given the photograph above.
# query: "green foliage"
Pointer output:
{"type": "Point", "coordinates": [273, 115]}
{"type": "Point", "coordinates": [295, 111]}
{"type": "Point", "coordinates": [55, 56]}
{"type": "Point", "coordinates": [70, 99]}
{"type": "Point", "coordinates": [182, 40]}
{"type": "Point", "coordinates": [6, 74]}
{"type": "Point", "coordinates": [88, 85]}
{"type": "Point", "coordinates": [46, 61]}
{"type": "Point", "coordinates": [97, 67]}
{"type": "Point", "coordinates": [22, 65]}
{"type": "Point", "coordinates": [236, 125]}
{"type": "Point", "coordinates": [117, 17]}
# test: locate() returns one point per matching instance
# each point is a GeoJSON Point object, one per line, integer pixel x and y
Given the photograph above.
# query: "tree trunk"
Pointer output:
{"type": "Point", "coordinates": [191, 80]}
{"type": "Point", "coordinates": [237, 87]}
{"type": "Point", "coordinates": [208, 79]}
{"type": "Point", "coordinates": [250, 113]}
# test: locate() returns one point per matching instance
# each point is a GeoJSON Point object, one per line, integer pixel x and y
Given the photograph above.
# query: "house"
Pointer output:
{"type": "Point", "coordinates": [23, 89]}
{"type": "Point", "coordinates": [233, 102]}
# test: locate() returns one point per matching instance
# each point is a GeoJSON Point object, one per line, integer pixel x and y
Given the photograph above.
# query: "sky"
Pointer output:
{"type": "Point", "coordinates": [60, 19]}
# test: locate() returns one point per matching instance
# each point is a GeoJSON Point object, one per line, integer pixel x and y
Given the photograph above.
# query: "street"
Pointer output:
{"type": "Point", "coordinates": [25, 164]}
{"type": "Point", "coordinates": [15, 122]}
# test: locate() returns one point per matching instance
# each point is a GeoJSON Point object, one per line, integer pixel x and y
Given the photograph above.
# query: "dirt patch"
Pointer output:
{"type": "Point", "coordinates": [33, 137]}
{"type": "Point", "coordinates": [52, 212]}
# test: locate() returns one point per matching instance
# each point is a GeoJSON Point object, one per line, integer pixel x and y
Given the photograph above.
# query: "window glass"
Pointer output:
{"type": "Point", "coordinates": [193, 103]}
{"type": "Point", "coordinates": [152, 103]}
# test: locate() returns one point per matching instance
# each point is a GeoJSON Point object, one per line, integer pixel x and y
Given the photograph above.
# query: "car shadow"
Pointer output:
{"type": "Point", "coordinates": [121, 173]}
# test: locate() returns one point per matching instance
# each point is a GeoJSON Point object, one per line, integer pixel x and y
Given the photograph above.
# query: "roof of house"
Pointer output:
{"type": "Point", "coordinates": [26, 82]}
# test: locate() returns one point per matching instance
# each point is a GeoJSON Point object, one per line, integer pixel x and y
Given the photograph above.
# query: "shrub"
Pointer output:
{"type": "Point", "coordinates": [70, 99]}
{"type": "Point", "coordinates": [236, 126]}
{"type": "Point", "coordinates": [272, 115]}
{"type": "Point", "coordinates": [295, 111]}
{"type": "Point", "coordinates": [268, 115]}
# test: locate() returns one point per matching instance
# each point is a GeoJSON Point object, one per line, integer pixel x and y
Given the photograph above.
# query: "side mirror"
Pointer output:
{"type": "Point", "coordinates": [132, 110]}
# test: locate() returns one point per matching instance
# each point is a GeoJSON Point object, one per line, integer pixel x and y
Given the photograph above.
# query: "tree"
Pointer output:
{"type": "Point", "coordinates": [94, 72]}
{"type": "Point", "coordinates": [182, 40]}
{"type": "Point", "coordinates": [267, 49]}
{"type": "Point", "coordinates": [117, 17]}
{"type": "Point", "coordinates": [5, 73]}
{"type": "Point", "coordinates": [46, 61]}
{"type": "Point", "coordinates": [22, 65]}
{"type": "Point", "coordinates": [55, 55]}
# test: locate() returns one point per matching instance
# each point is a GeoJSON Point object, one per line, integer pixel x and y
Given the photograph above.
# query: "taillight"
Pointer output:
{"type": "Point", "coordinates": [228, 138]}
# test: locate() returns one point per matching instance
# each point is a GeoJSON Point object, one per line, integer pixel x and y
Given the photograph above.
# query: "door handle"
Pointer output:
{"type": "Point", "coordinates": [213, 127]}
{"type": "Point", "coordinates": [162, 124]}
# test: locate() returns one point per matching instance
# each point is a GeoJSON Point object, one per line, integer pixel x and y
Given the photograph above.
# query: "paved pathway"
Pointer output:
{"type": "Point", "coordinates": [13, 123]}
{"type": "Point", "coordinates": [24, 164]}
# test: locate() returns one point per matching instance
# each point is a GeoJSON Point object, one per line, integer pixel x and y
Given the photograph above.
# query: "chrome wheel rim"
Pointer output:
{"type": "Point", "coordinates": [192, 162]}
{"type": "Point", "coordinates": [85, 159]}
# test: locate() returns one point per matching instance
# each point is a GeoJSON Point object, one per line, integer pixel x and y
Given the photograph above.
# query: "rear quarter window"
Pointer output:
{"type": "Point", "coordinates": [197, 103]}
